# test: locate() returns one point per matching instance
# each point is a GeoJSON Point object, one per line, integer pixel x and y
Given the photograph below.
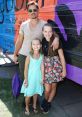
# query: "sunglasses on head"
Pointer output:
{"type": "Point", "coordinates": [32, 10]}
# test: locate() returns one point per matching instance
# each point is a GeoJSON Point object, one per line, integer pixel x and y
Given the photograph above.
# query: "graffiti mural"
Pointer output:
{"type": "Point", "coordinates": [66, 18]}
{"type": "Point", "coordinates": [13, 13]}
{"type": "Point", "coordinates": [46, 9]}
{"type": "Point", "coordinates": [7, 20]}
{"type": "Point", "coordinates": [69, 26]}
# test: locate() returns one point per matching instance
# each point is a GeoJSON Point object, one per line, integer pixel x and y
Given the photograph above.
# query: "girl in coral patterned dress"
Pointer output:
{"type": "Point", "coordinates": [54, 66]}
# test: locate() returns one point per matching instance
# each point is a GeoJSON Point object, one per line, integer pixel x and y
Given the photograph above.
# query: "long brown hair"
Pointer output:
{"type": "Point", "coordinates": [54, 35]}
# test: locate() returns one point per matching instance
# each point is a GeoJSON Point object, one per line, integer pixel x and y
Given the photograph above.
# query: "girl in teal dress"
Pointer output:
{"type": "Point", "coordinates": [33, 75]}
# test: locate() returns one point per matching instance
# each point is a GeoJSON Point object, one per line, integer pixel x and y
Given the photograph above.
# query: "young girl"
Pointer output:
{"type": "Point", "coordinates": [34, 76]}
{"type": "Point", "coordinates": [54, 66]}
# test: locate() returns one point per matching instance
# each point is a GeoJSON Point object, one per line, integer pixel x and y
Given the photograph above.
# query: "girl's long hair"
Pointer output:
{"type": "Point", "coordinates": [54, 35]}
{"type": "Point", "coordinates": [32, 51]}
{"type": "Point", "coordinates": [50, 50]}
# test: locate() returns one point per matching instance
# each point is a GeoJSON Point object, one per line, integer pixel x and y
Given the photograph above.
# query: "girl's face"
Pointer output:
{"type": "Point", "coordinates": [47, 32]}
{"type": "Point", "coordinates": [36, 45]}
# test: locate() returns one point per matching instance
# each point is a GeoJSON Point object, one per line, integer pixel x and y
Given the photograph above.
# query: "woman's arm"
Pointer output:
{"type": "Point", "coordinates": [26, 71]}
{"type": "Point", "coordinates": [62, 59]}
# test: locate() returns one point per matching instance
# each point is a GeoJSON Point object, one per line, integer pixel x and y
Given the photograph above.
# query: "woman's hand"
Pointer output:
{"type": "Point", "coordinates": [63, 74]}
{"type": "Point", "coordinates": [55, 43]}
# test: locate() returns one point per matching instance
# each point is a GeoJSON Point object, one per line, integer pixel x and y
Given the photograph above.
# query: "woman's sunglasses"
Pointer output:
{"type": "Point", "coordinates": [32, 10]}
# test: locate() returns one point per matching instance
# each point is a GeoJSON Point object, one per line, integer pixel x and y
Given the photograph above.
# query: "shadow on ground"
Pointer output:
{"type": "Point", "coordinates": [67, 103]}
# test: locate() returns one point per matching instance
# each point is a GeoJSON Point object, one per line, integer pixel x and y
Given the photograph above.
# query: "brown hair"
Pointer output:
{"type": "Point", "coordinates": [54, 33]}
{"type": "Point", "coordinates": [32, 3]}
{"type": "Point", "coordinates": [50, 51]}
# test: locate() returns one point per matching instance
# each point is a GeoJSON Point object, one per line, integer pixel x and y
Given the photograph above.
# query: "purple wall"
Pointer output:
{"type": "Point", "coordinates": [68, 20]}
{"type": "Point", "coordinates": [76, 7]}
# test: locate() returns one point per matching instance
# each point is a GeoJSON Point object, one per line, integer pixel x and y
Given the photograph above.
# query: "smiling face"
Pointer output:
{"type": "Point", "coordinates": [33, 12]}
{"type": "Point", "coordinates": [47, 32]}
{"type": "Point", "coordinates": [36, 45]}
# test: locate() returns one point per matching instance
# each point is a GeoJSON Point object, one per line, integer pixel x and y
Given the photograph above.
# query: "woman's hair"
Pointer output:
{"type": "Point", "coordinates": [47, 24]}
{"type": "Point", "coordinates": [32, 51]}
{"type": "Point", "coordinates": [54, 33]}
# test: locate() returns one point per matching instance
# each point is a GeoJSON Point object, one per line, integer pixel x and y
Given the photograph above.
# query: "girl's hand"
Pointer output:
{"type": "Point", "coordinates": [25, 83]}
{"type": "Point", "coordinates": [63, 74]}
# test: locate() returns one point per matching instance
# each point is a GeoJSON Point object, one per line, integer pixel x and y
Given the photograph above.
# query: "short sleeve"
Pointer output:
{"type": "Point", "coordinates": [60, 44]}
{"type": "Point", "coordinates": [21, 30]}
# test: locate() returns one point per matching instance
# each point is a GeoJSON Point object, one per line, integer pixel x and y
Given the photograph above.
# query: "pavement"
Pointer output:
{"type": "Point", "coordinates": [4, 112]}
{"type": "Point", "coordinates": [67, 103]}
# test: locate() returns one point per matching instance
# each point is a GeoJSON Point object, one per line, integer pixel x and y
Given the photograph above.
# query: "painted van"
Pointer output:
{"type": "Point", "coordinates": [66, 18]}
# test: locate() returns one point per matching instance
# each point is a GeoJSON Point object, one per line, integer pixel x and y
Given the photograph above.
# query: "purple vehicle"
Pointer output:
{"type": "Point", "coordinates": [68, 23]}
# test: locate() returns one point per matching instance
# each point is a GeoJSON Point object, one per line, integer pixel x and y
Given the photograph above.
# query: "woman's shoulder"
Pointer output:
{"type": "Point", "coordinates": [60, 44]}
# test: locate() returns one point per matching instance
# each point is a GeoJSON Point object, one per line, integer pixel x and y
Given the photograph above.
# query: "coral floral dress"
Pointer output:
{"type": "Point", "coordinates": [53, 67]}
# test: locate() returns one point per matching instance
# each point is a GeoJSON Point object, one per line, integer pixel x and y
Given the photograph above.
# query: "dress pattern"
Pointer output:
{"type": "Point", "coordinates": [34, 78]}
{"type": "Point", "coordinates": [53, 69]}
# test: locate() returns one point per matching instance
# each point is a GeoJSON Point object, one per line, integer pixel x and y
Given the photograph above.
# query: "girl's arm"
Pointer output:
{"type": "Point", "coordinates": [62, 59]}
{"type": "Point", "coordinates": [42, 70]}
{"type": "Point", "coordinates": [26, 70]}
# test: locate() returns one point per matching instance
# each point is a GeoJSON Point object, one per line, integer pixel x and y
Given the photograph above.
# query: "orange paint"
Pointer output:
{"type": "Point", "coordinates": [46, 12]}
